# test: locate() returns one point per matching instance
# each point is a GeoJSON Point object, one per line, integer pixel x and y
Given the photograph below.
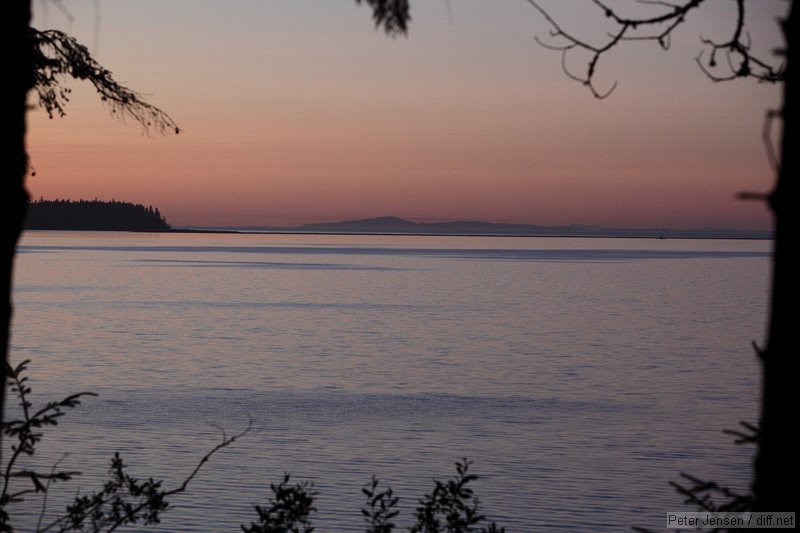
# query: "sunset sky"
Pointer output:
{"type": "Point", "coordinates": [301, 111]}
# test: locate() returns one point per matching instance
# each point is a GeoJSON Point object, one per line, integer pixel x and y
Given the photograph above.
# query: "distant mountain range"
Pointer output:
{"type": "Point", "coordinates": [396, 225]}
{"type": "Point", "coordinates": [98, 215]}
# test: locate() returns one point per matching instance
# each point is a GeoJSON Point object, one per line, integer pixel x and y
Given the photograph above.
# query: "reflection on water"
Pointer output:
{"type": "Point", "coordinates": [580, 374]}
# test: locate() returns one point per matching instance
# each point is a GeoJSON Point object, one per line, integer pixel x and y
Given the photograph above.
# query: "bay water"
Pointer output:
{"type": "Point", "coordinates": [580, 375]}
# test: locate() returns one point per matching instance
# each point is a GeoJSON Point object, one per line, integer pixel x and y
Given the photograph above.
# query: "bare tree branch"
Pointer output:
{"type": "Point", "coordinates": [226, 441]}
{"type": "Point", "coordinates": [659, 28]}
{"type": "Point", "coordinates": [741, 63]}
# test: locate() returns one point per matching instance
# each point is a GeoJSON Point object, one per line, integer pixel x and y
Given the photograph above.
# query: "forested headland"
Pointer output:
{"type": "Point", "coordinates": [93, 215]}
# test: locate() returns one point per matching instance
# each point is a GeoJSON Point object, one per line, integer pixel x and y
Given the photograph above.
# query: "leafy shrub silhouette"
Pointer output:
{"type": "Point", "coordinates": [289, 511]}
{"type": "Point", "coordinates": [380, 509]}
{"type": "Point", "coordinates": [454, 502]}
{"type": "Point", "coordinates": [125, 500]}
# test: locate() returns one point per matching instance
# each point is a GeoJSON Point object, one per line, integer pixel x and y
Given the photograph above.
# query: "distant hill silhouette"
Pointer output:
{"type": "Point", "coordinates": [93, 215]}
{"type": "Point", "coordinates": [396, 225]}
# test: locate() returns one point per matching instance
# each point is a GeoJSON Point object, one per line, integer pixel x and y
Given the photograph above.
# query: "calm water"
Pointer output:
{"type": "Point", "coordinates": [579, 374]}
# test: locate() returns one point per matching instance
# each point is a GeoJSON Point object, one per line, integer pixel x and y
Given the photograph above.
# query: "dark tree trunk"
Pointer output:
{"type": "Point", "coordinates": [18, 78]}
{"type": "Point", "coordinates": [775, 481]}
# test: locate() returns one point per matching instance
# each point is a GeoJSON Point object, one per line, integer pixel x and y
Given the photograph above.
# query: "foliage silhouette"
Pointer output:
{"type": "Point", "coordinates": [122, 500]}
{"type": "Point", "coordinates": [453, 502]}
{"type": "Point", "coordinates": [126, 500]}
{"type": "Point", "coordinates": [289, 511]}
{"type": "Point", "coordinates": [392, 15]}
{"type": "Point", "coordinates": [380, 508]}
{"type": "Point", "coordinates": [711, 496]}
{"type": "Point", "coordinates": [58, 57]}
{"type": "Point", "coordinates": [27, 433]}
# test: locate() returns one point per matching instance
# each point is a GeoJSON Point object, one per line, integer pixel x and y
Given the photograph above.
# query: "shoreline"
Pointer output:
{"type": "Point", "coordinates": [622, 234]}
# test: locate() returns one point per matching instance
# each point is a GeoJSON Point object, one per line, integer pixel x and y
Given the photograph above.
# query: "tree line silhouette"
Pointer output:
{"type": "Point", "coordinates": [94, 215]}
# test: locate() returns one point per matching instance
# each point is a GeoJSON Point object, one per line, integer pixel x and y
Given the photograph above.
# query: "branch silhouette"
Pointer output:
{"type": "Point", "coordinates": [58, 57]}
{"type": "Point", "coordinates": [122, 500]}
{"type": "Point", "coordinates": [659, 27]}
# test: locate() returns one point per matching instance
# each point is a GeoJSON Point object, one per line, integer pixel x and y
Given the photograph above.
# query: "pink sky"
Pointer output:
{"type": "Point", "coordinates": [296, 113]}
